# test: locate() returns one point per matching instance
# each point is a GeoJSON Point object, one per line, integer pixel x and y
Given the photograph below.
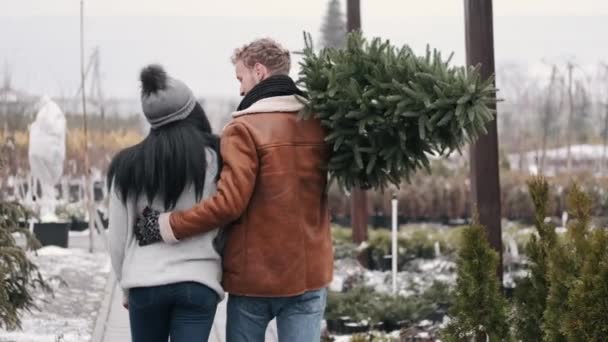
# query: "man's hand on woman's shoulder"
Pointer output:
{"type": "Point", "coordinates": [147, 229]}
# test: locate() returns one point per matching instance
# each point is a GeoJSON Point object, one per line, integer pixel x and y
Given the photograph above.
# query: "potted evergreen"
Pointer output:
{"type": "Point", "coordinates": [20, 276]}
{"type": "Point", "coordinates": [479, 313]}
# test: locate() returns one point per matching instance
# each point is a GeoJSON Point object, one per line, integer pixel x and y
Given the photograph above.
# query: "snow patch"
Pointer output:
{"type": "Point", "coordinates": [54, 251]}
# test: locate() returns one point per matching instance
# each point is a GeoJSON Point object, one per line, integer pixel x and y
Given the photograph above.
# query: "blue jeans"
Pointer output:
{"type": "Point", "coordinates": [183, 311]}
{"type": "Point", "coordinates": [298, 318]}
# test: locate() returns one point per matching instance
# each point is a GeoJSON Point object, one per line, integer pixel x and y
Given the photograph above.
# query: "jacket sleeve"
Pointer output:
{"type": "Point", "coordinates": [234, 189]}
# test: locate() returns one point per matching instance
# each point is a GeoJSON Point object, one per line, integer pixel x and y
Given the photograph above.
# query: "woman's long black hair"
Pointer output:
{"type": "Point", "coordinates": [166, 161]}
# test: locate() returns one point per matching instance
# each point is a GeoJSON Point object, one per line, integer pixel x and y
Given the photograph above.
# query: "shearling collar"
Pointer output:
{"type": "Point", "coordinates": [275, 104]}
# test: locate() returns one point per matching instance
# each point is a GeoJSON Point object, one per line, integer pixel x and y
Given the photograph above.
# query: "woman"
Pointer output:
{"type": "Point", "coordinates": [170, 290]}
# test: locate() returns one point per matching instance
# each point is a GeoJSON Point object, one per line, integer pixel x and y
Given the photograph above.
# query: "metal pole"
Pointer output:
{"type": "Point", "coordinates": [88, 187]}
{"type": "Point", "coordinates": [485, 182]}
{"type": "Point", "coordinates": [394, 238]}
{"type": "Point", "coordinates": [100, 99]}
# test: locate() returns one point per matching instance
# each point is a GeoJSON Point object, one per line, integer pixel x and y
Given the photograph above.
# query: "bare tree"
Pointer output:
{"type": "Point", "coordinates": [517, 89]}
{"type": "Point", "coordinates": [570, 115]}
{"type": "Point", "coordinates": [578, 107]}
{"type": "Point", "coordinates": [551, 108]}
{"type": "Point", "coordinates": [582, 113]}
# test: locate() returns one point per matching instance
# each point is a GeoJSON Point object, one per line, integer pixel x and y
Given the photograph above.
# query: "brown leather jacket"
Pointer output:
{"type": "Point", "coordinates": [271, 196]}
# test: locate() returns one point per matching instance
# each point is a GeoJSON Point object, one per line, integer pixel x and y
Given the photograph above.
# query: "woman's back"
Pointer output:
{"type": "Point", "coordinates": [172, 291]}
{"type": "Point", "coordinates": [159, 264]}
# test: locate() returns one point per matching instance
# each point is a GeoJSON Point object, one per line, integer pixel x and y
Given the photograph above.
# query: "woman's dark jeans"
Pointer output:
{"type": "Point", "coordinates": [183, 311]}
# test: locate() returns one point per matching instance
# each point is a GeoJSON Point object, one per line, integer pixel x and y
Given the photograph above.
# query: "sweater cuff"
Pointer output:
{"type": "Point", "coordinates": [166, 232]}
{"type": "Point", "coordinates": [125, 296]}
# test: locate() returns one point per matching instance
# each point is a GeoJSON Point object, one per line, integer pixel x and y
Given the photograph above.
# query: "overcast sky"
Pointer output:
{"type": "Point", "coordinates": [194, 39]}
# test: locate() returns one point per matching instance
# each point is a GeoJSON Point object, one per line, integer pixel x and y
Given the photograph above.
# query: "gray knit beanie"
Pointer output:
{"type": "Point", "coordinates": [163, 98]}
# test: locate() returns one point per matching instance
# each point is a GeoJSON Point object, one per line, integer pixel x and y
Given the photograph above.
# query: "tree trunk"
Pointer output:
{"type": "Point", "coordinates": [359, 196]}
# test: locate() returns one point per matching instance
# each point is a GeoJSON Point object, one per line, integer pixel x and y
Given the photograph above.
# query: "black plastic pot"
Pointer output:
{"type": "Point", "coordinates": [79, 226]}
{"type": "Point", "coordinates": [381, 221]}
{"type": "Point", "coordinates": [52, 233]}
{"type": "Point", "coordinates": [355, 328]}
{"type": "Point", "coordinates": [378, 326]}
{"type": "Point", "coordinates": [508, 292]}
{"type": "Point", "coordinates": [390, 325]}
{"type": "Point", "coordinates": [387, 262]}
{"type": "Point", "coordinates": [338, 325]}
{"type": "Point", "coordinates": [335, 326]}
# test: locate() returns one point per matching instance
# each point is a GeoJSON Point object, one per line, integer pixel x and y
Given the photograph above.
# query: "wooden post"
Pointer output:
{"type": "Point", "coordinates": [353, 13]}
{"type": "Point", "coordinates": [485, 182]}
{"type": "Point", "coordinates": [358, 211]}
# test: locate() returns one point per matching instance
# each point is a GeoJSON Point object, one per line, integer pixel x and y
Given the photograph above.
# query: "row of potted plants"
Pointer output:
{"type": "Point", "coordinates": [362, 309]}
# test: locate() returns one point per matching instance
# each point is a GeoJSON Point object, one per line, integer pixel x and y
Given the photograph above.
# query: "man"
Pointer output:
{"type": "Point", "coordinates": [271, 196]}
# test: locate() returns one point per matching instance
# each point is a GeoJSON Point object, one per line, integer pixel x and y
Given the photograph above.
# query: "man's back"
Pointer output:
{"type": "Point", "coordinates": [281, 245]}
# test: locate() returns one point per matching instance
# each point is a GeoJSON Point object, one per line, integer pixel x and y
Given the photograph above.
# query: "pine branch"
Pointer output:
{"type": "Point", "coordinates": [20, 276]}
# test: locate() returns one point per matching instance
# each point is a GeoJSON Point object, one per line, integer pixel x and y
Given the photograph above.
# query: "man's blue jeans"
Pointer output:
{"type": "Point", "coordinates": [298, 318]}
{"type": "Point", "coordinates": [184, 311]}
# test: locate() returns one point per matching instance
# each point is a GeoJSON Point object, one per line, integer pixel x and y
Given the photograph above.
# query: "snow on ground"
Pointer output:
{"type": "Point", "coordinates": [419, 275]}
{"type": "Point", "coordinates": [78, 281]}
{"type": "Point", "coordinates": [394, 336]}
{"type": "Point", "coordinates": [84, 233]}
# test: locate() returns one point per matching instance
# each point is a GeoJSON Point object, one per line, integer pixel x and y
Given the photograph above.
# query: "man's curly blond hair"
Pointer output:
{"type": "Point", "coordinates": [267, 52]}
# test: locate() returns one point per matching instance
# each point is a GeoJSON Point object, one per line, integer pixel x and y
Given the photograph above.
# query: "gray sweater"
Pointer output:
{"type": "Point", "coordinates": [192, 259]}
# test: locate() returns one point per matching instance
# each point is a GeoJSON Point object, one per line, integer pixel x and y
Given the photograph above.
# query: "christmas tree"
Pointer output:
{"type": "Point", "coordinates": [564, 297]}
{"type": "Point", "coordinates": [387, 110]}
{"type": "Point", "coordinates": [333, 30]}
{"type": "Point", "coordinates": [578, 277]}
{"type": "Point", "coordinates": [479, 312]}
{"type": "Point", "coordinates": [566, 263]}
{"type": "Point", "coordinates": [531, 292]}
{"type": "Point", "coordinates": [588, 316]}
